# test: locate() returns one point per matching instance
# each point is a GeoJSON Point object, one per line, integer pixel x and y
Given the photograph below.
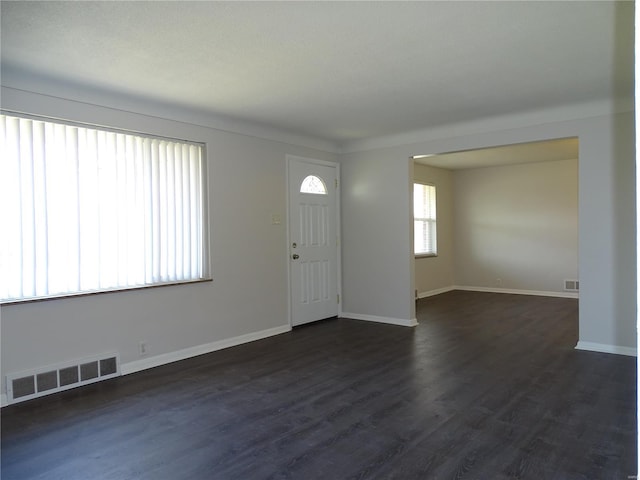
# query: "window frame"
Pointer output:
{"type": "Point", "coordinates": [429, 221]}
{"type": "Point", "coordinates": [204, 240]}
{"type": "Point", "coordinates": [312, 177]}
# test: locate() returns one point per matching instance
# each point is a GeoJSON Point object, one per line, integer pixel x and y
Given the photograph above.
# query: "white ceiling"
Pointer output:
{"type": "Point", "coordinates": [337, 71]}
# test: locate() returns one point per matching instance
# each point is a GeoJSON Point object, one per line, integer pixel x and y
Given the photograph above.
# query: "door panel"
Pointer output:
{"type": "Point", "coordinates": [313, 248]}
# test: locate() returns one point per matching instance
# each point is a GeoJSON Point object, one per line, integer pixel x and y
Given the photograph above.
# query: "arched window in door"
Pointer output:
{"type": "Point", "coordinates": [313, 184]}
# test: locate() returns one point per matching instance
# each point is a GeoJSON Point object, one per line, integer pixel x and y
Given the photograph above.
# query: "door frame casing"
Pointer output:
{"type": "Point", "coordinates": [336, 165]}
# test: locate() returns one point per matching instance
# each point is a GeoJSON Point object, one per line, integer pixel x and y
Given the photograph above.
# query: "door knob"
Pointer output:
{"type": "Point", "coordinates": [295, 256]}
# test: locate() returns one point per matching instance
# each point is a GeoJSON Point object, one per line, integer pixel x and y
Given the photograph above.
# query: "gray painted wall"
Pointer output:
{"type": "Point", "coordinates": [516, 227]}
{"type": "Point", "coordinates": [377, 257]}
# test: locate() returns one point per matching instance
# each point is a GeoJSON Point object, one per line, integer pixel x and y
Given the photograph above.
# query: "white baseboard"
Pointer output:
{"type": "Point", "coordinates": [540, 293]}
{"type": "Point", "coordinates": [373, 318]}
{"type": "Point", "coordinates": [3, 400]}
{"type": "Point", "coordinates": [604, 348]}
{"type": "Point", "coordinates": [437, 291]}
{"type": "Point", "coordinates": [156, 361]}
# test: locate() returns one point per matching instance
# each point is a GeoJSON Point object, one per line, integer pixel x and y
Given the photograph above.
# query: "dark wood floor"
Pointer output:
{"type": "Point", "coordinates": [488, 387]}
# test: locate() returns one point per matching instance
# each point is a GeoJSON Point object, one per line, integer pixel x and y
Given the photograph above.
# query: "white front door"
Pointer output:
{"type": "Point", "coordinates": [313, 239]}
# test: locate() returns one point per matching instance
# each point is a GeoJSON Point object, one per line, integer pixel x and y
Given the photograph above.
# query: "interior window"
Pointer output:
{"type": "Point", "coordinates": [87, 209]}
{"type": "Point", "coordinates": [424, 219]}
{"type": "Point", "coordinates": [313, 184]}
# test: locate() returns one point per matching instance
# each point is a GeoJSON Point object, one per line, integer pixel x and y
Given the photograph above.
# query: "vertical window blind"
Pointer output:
{"type": "Point", "coordinates": [424, 219]}
{"type": "Point", "coordinates": [86, 209]}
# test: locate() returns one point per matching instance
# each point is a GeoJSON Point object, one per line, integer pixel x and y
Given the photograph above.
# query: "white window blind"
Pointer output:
{"type": "Point", "coordinates": [424, 219]}
{"type": "Point", "coordinates": [85, 210]}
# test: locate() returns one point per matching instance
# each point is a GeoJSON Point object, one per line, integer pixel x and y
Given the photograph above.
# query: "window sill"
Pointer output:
{"type": "Point", "coordinates": [426, 255]}
{"type": "Point", "coordinates": [98, 292]}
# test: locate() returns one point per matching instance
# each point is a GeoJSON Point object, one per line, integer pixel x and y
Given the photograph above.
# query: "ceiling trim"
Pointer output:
{"type": "Point", "coordinates": [578, 111]}
{"type": "Point", "coordinates": [19, 81]}
{"type": "Point", "coordinates": [12, 80]}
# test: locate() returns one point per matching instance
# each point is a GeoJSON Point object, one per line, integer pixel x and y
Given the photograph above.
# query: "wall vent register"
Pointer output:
{"type": "Point", "coordinates": [572, 285]}
{"type": "Point", "coordinates": [51, 379]}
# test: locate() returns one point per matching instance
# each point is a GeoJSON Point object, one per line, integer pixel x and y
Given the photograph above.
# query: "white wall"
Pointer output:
{"type": "Point", "coordinates": [377, 258]}
{"type": "Point", "coordinates": [435, 273]}
{"type": "Point", "coordinates": [248, 294]}
{"type": "Point", "coordinates": [516, 226]}
{"type": "Point", "coordinates": [376, 192]}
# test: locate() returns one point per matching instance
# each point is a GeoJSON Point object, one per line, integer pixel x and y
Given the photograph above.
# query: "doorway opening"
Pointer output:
{"type": "Point", "coordinates": [507, 219]}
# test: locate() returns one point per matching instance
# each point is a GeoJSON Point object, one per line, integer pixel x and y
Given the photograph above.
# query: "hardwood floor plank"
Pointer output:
{"type": "Point", "coordinates": [488, 386]}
